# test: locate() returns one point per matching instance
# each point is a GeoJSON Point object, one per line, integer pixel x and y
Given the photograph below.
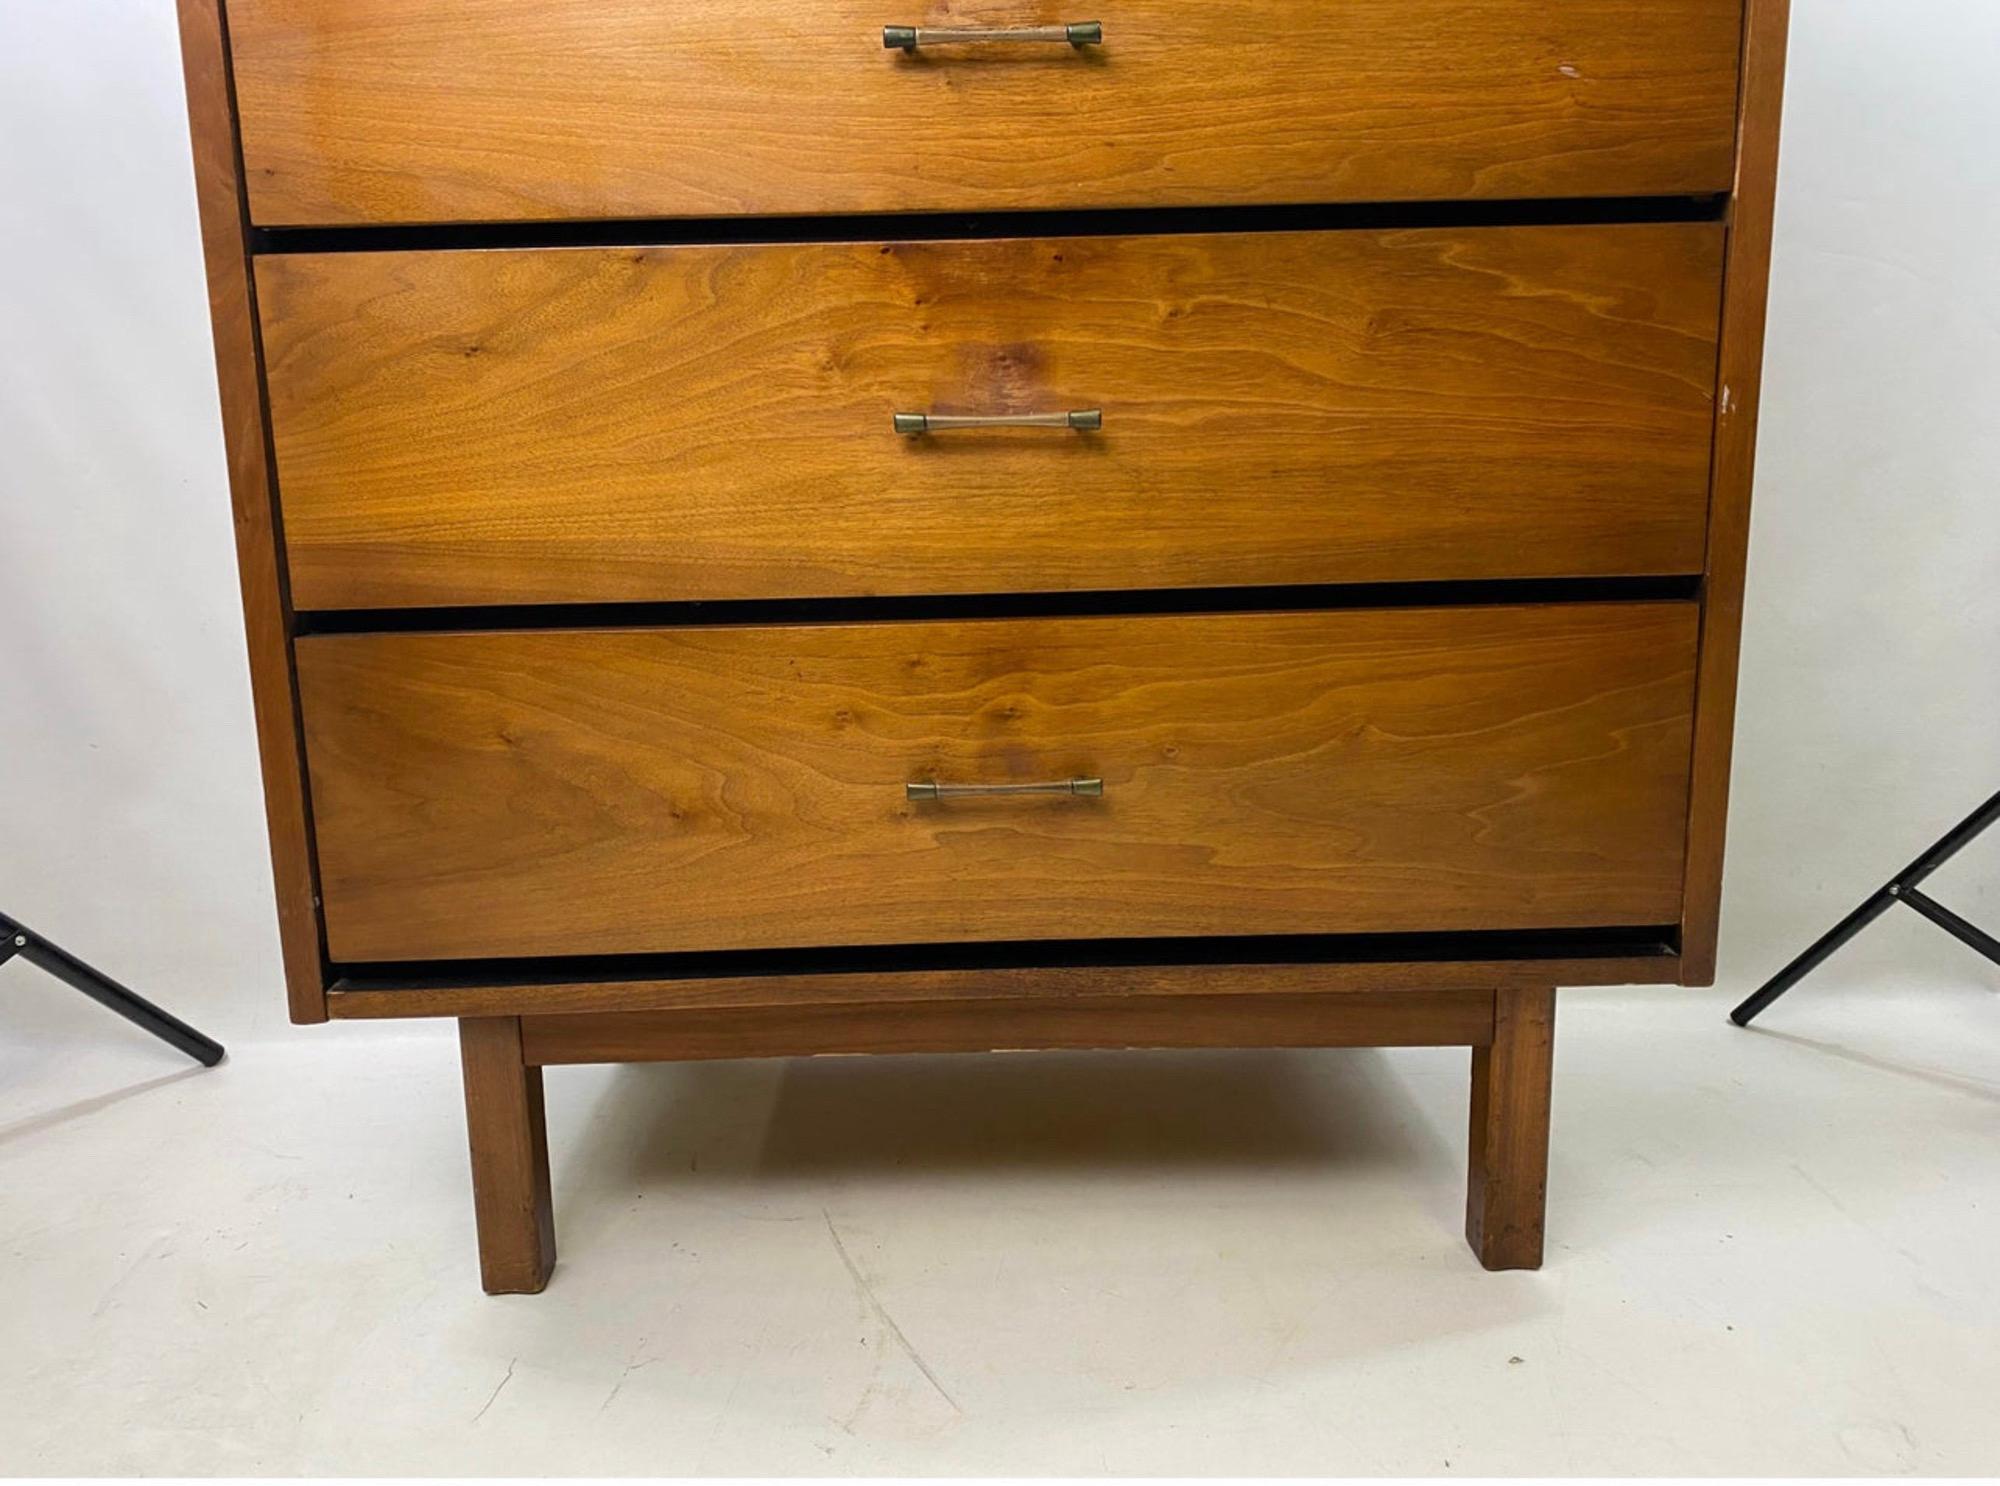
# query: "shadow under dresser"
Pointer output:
{"type": "Point", "coordinates": [769, 527]}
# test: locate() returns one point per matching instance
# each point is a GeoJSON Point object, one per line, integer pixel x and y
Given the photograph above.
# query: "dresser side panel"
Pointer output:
{"type": "Point", "coordinates": [259, 556]}
{"type": "Point", "coordinates": [1739, 378]}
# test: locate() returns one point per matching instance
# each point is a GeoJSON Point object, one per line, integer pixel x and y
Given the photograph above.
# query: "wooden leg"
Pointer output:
{"type": "Point", "coordinates": [510, 1157]}
{"type": "Point", "coordinates": [1507, 1180]}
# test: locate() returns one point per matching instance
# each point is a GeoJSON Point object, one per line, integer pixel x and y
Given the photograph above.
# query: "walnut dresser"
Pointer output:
{"type": "Point", "coordinates": [775, 527]}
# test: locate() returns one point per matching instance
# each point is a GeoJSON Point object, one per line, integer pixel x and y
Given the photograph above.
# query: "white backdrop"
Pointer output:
{"type": "Point", "coordinates": [130, 820]}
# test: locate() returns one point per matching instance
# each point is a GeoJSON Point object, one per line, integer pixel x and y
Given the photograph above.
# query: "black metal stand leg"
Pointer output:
{"type": "Point", "coordinates": [1899, 889]}
{"type": "Point", "coordinates": [1822, 950]}
{"type": "Point", "coordinates": [1952, 924]}
{"type": "Point", "coordinates": [19, 939]}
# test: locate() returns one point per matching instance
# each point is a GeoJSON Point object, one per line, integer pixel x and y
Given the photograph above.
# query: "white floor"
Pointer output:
{"type": "Point", "coordinates": [1770, 1252]}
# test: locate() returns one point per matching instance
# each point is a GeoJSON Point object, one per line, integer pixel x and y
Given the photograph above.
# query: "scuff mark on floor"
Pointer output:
{"type": "Point", "coordinates": [504, 1381]}
{"type": "Point", "coordinates": [161, 1247]}
{"type": "Point", "coordinates": [868, 1298]}
{"type": "Point", "coordinates": [630, 1368]}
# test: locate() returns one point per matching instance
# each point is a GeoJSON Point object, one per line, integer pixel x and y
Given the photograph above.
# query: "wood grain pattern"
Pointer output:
{"type": "Point", "coordinates": [715, 422]}
{"type": "Point", "coordinates": [1741, 381]}
{"type": "Point", "coordinates": [383, 111]}
{"type": "Point", "coordinates": [1400, 1019]}
{"type": "Point", "coordinates": [995, 984]}
{"type": "Point", "coordinates": [555, 792]}
{"type": "Point", "coordinates": [1508, 1165]}
{"type": "Point", "coordinates": [259, 560]}
{"type": "Point", "coordinates": [508, 1134]}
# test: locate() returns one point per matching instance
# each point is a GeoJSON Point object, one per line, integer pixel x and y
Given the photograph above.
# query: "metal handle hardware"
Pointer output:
{"type": "Point", "coordinates": [909, 38]}
{"type": "Point", "coordinates": [930, 789]}
{"type": "Point", "coordinates": [910, 425]}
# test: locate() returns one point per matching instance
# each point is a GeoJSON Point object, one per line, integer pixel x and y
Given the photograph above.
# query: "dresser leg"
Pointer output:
{"type": "Point", "coordinates": [510, 1157]}
{"type": "Point", "coordinates": [1507, 1179]}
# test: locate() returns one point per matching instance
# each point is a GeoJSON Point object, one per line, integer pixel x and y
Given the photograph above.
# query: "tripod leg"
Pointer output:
{"type": "Point", "coordinates": [101, 988]}
{"type": "Point", "coordinates": [1821, 951]}
{"type": "Point", "coordinates": [1942, 850]}
{"type": "Point", "coordinates": [1966, 933]}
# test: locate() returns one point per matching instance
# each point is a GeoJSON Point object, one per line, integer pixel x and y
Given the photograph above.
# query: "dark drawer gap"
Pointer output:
{"type": "Point", "coordinates": [947, 226]}
{"type": "Point", "coordinates": [1097, 603]}
{"type": "Point", "coordinates": [1648, 942]}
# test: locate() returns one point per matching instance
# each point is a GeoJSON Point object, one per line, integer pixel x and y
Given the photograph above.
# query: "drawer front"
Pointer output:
{"type": "Point", "coordinates": [573, 792]}
{"type": "Point", "coordinates": [714, 422]}
{"type": "Point", "coordinates": [388, 111]}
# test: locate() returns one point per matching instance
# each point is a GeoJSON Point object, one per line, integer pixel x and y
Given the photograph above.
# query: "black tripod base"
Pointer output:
{"type": "Point", "coordinates": [17, 939]}
{"type": "Point", "coordinates": [1902, 888]}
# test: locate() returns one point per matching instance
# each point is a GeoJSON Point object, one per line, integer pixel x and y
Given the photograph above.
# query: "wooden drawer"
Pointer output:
{"type": "Point", "coordinates": [570, 792]}
{"type": "Point", "coordinates": [713, 422]}
{"type": "Point", "coordinates": [388, 111]}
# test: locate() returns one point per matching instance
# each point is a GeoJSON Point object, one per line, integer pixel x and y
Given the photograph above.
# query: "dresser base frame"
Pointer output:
{"type": "Point", "coordinates": [1510, 1032]}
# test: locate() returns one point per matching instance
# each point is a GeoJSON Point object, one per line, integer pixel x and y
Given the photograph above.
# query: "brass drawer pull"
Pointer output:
{"type": "Point", "coordinates": [930, 789]}
{"type": "Point", "coordinates": [910, 425]}
{"type": "Point", "coordinates": [909, 38]}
